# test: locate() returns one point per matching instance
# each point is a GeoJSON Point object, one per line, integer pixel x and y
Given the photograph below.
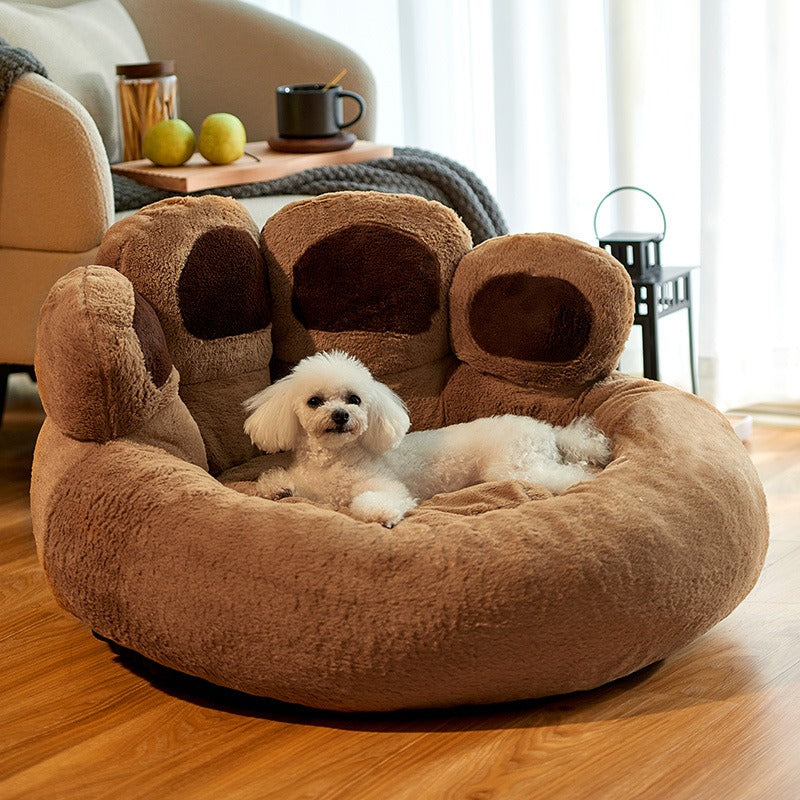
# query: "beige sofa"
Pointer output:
{"type": "Point", "coordinates": [57, 138]}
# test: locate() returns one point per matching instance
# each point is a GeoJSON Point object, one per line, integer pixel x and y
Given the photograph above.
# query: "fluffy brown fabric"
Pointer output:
{"type": "Point", "coordinates": [99, 392]}
{"type": "Point", "coordinates": [537, 333]}
{"type": "Point", "coordinates": [152, 248]}
{"type": "Point", "coordinates": [545, 319]}
{"type": "Point", "coordinates": [307, 605]}
{"type": "Point", "coordinates": [422, 389]}
{"type": "Point", "coordinates": [101, 358]}
{"type": "Point", "coordinates": [403, 238]}
{"type": "Point", "coordinates": [217, 407]}
{"type": "Point", "coordinates": [470, 394]}
{"type": "Point", "coordinates": [484, 497]}
{"type": "Point", "coordinates": [157, 359]}
{"type": "Point", "coordinates": [197, 261]}
{"type": "Point", "coordinates": [174, 430]}
{"type": "Point", "coordinates": [367, 277]}
{"type": "Point", "coordinates": [493, 593]}
{"type": "Point", "coordinates": [223, 288]}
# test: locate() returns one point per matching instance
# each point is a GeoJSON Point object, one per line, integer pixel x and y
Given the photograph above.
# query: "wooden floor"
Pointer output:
{"type": "Point", "coordinates": [720, 719]}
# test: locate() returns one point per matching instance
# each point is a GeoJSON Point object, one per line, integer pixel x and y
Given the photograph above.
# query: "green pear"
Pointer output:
{"type": "Point", "coordinates": [222, 138]}
{"type": "Point", "coordinates": [168, 143]}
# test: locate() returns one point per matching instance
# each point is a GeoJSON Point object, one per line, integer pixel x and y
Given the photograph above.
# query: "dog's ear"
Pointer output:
{"type": "Point", "coordinates": [273, 425]}
{"type": "Point", "coordinates": [387, 419]}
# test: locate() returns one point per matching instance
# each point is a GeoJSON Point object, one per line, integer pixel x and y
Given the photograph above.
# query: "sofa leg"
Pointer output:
{"type": "Point", "coordinates": [5, 374]}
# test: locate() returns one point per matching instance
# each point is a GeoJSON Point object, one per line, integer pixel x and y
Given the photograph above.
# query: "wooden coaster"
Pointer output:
{"type": "Point", "coordinates": [326, 144]}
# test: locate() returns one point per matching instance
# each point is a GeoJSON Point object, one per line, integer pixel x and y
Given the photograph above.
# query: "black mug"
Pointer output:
{"type": "Point", "coordinates": [305, 111]}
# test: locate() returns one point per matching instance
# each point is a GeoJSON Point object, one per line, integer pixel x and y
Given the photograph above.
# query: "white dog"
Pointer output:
{"type": "Point", "coordinates": [350, 449]}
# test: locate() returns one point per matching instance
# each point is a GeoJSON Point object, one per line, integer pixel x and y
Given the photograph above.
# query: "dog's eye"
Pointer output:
{"type": "Point", "coordinates": [354, 400]}
{"type": "Point", "coordinates": [314, 402]}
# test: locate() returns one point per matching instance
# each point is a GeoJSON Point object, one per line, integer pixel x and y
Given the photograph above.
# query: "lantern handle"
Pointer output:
{"type": "Point", "coordinates": [635, 189]}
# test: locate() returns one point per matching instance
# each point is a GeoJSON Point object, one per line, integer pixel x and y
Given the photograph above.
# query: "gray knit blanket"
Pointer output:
{"type": "Point", "coordinates": [409, 171]}
{"type": "Point", "coordinates": [15, 62]}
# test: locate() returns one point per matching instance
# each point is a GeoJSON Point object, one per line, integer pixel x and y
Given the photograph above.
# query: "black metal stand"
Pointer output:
{"type": "Point", "coordinates": [664, 292]}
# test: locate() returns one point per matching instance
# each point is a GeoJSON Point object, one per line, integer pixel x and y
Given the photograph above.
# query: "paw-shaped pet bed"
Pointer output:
{"type": "Point", "coordinates": [142, 493]}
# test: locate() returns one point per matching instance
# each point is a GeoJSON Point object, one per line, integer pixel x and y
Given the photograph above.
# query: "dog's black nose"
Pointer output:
{"type": "Point", "coordinates": [340, 416]}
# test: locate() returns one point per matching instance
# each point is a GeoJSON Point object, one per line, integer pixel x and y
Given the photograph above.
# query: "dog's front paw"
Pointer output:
{"type": "Point", "coordinates": [275, 484]}
{"type": "Point", "coordinates": [383, 507]}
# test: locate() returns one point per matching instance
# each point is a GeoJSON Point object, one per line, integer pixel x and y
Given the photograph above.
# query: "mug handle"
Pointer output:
{"type": "Point", "coordinates": [360, 100]}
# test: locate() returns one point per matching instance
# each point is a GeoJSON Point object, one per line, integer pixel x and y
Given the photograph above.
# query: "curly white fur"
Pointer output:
{"type": "Point", "coordinates": [351, 450]}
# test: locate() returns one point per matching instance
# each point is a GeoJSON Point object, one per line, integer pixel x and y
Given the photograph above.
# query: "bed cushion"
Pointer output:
{"type": "Point", "coordinates": [497, 592]}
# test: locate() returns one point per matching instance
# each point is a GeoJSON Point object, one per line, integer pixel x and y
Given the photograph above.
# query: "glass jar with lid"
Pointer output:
{"type": "Point", "coordinates": [148, 93]}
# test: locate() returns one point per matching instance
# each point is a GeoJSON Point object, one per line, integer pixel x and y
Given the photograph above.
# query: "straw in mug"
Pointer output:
{"type": "Point", "coordinates": [334, 81]}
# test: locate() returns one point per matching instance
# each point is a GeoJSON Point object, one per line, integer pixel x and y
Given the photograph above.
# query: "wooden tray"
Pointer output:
{"type": "Point", "coordinates": [198, 174]}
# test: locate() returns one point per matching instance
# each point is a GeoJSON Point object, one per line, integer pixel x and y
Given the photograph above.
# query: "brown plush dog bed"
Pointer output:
{"type": "Point", "coordinates": [496, 592]}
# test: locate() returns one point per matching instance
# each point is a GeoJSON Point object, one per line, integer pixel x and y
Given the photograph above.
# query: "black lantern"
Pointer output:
{"type": "Point", "coordinates": [639, 253]}
{"type": "Point", "coordinates": [657, 291]}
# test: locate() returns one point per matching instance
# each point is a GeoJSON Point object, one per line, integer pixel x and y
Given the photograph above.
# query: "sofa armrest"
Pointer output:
{"type": "Point", "coordinates": [230, 56]}
{"type": "Point", "coordinates": [55, 184]}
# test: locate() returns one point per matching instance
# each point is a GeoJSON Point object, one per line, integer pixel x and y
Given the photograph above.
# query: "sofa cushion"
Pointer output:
{"type": "Point", "coordinates": [80, 44]}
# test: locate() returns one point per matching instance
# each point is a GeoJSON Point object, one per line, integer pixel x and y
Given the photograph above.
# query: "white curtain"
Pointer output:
{"type": "Point", "coordinates": [750, 134]}
{"type": "Point", "coordinates": [554, 102]}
